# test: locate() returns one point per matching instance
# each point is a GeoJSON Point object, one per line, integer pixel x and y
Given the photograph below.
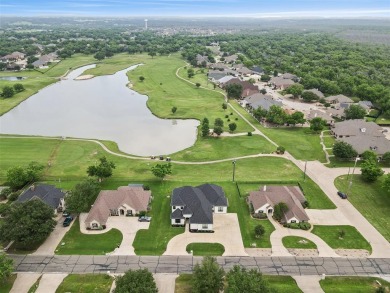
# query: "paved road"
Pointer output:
{"type": "Point", "coordinates": [295, 266]}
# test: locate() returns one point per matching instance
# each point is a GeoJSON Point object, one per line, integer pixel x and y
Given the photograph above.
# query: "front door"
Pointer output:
{"type": "Point", "coordinates": [122, 212]}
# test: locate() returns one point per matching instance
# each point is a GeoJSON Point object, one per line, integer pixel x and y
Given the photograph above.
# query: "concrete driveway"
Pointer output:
{"type": "Point", "coordinates": [128, 227]}
{"type": "Point", "coordinates": [327, 217]}
{"type": "Point", "coordinates": [49, 246]}
{"type": "Point", "coordinates": [227, 232]}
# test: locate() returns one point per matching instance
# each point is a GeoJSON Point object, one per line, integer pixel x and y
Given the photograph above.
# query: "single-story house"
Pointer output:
{"type": "Point", "coordinates": [259, 100]}
{"type": "Point", "coordinates": [215, 75]}
{"type": "Point", "coordinates": [49, 194]}
{"type": "Point", "coordinates": [281, 83]}
{"type": "Point", "coordinates": [15, 56]}
{"type": "Point", "coordinates": [197, 205]}
{"type": "Point", "coordinates": [367, 105]}
{"type": "Point", "coordinates": [318, 93]}
{"type": "Point", "coordinates": [218, 66]}
{"type": "Point", "coordinates": [224, 79]}
{"type": "Point", "coordinates": [200, 59]}
{"type": "Point", "coordinates": [265, 199]}
{"type": "Point", "coordinates": [244, 71]}
{"type": "Point", "coordinates": [325, 116]}
{"type": "Point", "coordinates": [231, 58]}
{"type": "Point", "coordinates": [336, 112]}
{"type": "Point", "coordinates": [290, 76]}
{"type": "Point", "coordinates": [247, 88]}
{"type": "Point", "coordinates": [125, 201]}
{"type": "Point", "coordinates": [257, 69]}
{"type": "Point", "coordinates": [338, 99]}
{"type": "Point", "coordinates": [362, 136]}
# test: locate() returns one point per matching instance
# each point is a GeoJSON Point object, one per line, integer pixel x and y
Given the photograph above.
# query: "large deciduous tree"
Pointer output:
{"type": "Point", "coordinates": [317, 124]}
{"type": "Point", "coordinates": [6, 267]}
{"type": "Point", "coordinates": [240, 280]}
{"type": "Point", "coordinates": [234, 90]}
{"type": "Point", "coordinates": [28, 224]}
{"type": "Point", "coordinates": [205, 128]}
{"type": "Point", "coordinates": [309, 96]}
{"type": "Point", "coordinates": [343, 150]}
{"type": "Point", "coordinates": [371, 171]}
{"type": "Point", "coordinates": [82, 196]}
{"type": "Point", "coordinates": [295, 90]}
{"type": "Point", "coordinates": [101, 171]}
{"type": "Point", "coordinates": [279, 210]}
{"type": "Point", "coordinates": [276, 115]}
{"type": "Point", "coordinates": [162, 170]}
{"type": "Point", "coordinates": [208, 276]}
{"type": "Point", "coordinates": [355, 112]}
{"type": "Point", "coordinates": [137, 281]}
{"type": "Point", "coordinates": [17, 177]}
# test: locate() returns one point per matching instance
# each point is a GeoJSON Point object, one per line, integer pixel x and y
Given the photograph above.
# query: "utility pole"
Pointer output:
{"type": "Point", "coordinates": [234, 168]}
{"type": "Point", "coordinates": [353, 172]}
{"type": "Point", "coordinates": [304, 172]}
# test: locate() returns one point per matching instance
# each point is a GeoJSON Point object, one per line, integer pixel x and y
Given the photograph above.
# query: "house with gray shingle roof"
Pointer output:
{"type": "Point", "coordinates": [338, 99]}
{"type": "Point", "coordinates": [362, 136]}
{"type": "Point", "coordinates": [49, 194]}
{"type": "Point", "coordinates": [197, 205]}
{"type": "Point", "coordinates": [265, 199]}
{"type": "Point", "coordinates": [125, 201]}
{"type": "Point", "coordinates": [259, 100]}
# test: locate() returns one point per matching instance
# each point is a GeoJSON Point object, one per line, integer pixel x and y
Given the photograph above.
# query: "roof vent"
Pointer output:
{"type": "Point", "coordinates": [363, 129]}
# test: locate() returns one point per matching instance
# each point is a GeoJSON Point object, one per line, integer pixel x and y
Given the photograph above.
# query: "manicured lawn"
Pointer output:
{"type": "Point", "coordinates": [86, 283]}
{"type": "Point", "coordinates": [6, 286]}
{"type": "Point", "coordinates": [301, 142]}
{"type": "Point", "coordinates": [329, 141]}
{"type": "Point", "coordinates": [352, 284]}
{"type": "Point", "coordinates": [351, 240]}
{"type": "Point", "coordinates": [199, 77]}
{"type": "Point", "coordinates": [203, 249]}
{"type": "Point", "coordinates": [371, 200]}
{"type": "Point", "coordinates": [213, 148]}
{"type": "Point", "coordinates": [166, 90]}
{"type": "Point", "coordinates": [87, 244]}
{"type": "Point", "coordinates": [283, 284]}
{"type": "Point", "coordinates": [183, 283]}
{"type": "Point", "coordinates": [277, 283]}
{"type": "Point", "coordinates": [34, 287]}
{"type": "Point", "coordinates": [383, 120]}
{"type": "Point", "coordinates": [298, 242]}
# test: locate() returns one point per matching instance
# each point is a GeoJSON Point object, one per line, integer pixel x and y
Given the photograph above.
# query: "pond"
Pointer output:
{"type": "Point", "coordinates": [101, 108]}
{"type": "Point", "coordinates": [12, 78]}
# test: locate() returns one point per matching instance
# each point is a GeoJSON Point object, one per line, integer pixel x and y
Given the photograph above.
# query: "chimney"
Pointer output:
{"type": "Point", "coordinates": [32, 187]}
{"type": "Point", "coordinates": [265, 188]}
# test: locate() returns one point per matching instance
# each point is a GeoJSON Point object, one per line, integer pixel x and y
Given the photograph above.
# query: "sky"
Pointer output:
{"type": "Point", "coordinates": [239, 8]}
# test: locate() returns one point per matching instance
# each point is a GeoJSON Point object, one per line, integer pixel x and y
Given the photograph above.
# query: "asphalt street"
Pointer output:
{"type": "Point", "coordinates": [296, 266]}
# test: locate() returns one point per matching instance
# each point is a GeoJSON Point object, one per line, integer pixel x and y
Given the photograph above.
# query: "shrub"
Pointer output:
{"type": "Point", "coordinates": [236, 119]}
{"type": "Point", "coordinates": [13, 196]}
{"type": "Point", "coordinates": [260, 216]}
{"type": "Point", "coordinates": [280, 150]}
{"type": "Point", "coordinates": [226, 116]}
{"type": "Point", "coordinates": [5, 193]}
{"type": "Point", "coordinates": [249, 133]}
{"type": "Point", "coordinates": [302, 226]}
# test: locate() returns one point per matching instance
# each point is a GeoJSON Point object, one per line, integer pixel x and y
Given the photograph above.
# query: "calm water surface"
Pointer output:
{"type": "Point", "coordinates": [12, 78]}
{"type": "Point", "coordinates": [100, 108]}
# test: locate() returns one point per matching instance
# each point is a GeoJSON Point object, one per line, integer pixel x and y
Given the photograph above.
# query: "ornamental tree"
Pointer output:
{"type": "Point", "coordinates": [241, 280]}
{"type": "Point", "coordinates": [162, 170]}
{"type": "Point", "coordinates": [343, 150]}
{"type": "Point", "coordinates": [208, 276]}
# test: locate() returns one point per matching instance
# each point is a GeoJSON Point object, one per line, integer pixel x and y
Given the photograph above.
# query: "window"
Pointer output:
{"type": "Point", "coordinates": [177, 221]}
{"type": "Point", "coordinates": [205, 226]}
{"type": "Point", "coordinates": [94, 225]}
{"type": "Point", "coordinates": [174, 208]}
{"type": "Point", "coordinates": [293, 221]}
{"type": "Point", "coordinates": [220, 209]}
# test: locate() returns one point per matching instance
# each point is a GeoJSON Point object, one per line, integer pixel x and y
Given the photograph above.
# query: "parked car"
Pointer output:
{"type": "Point", "coordinates": [67, 221]}
{"type": "Point", "coordinates": [65, 214]}
{"type": "Point", "coordinates": [342, 194]}
{"type": "Point", "coordinates": [161, 158]}
{"type": "Point", "coordinates": [144, 219]}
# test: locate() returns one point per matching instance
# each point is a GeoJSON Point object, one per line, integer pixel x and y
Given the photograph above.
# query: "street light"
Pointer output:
{"type": "Point", "coordinates": [353, 172]}
{"type": "Point", "coordinates": [234, 168]}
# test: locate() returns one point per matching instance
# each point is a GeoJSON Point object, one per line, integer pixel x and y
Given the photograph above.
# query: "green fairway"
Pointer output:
{"type": "Point", "coordinates": [351, 240]}
{"type": "Point", "coordinates": [352, 284]}
{"type": "Point", "coordinates": [301, 142]}
{"type": "Point", "coordinates": [212, 148]}
{"type": "Point", "coordinates": [165, 90]}
{"type": "Point", "coordinates": [204, 249]}
{"type": "Point", "coordinates": [370, 199]}
{"type": "Point", "coordinates": [86, 283]}
{"type": "Point", "coordinates": [88, 244]}
{"type": "Point", "coordinates": [298, 242]}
